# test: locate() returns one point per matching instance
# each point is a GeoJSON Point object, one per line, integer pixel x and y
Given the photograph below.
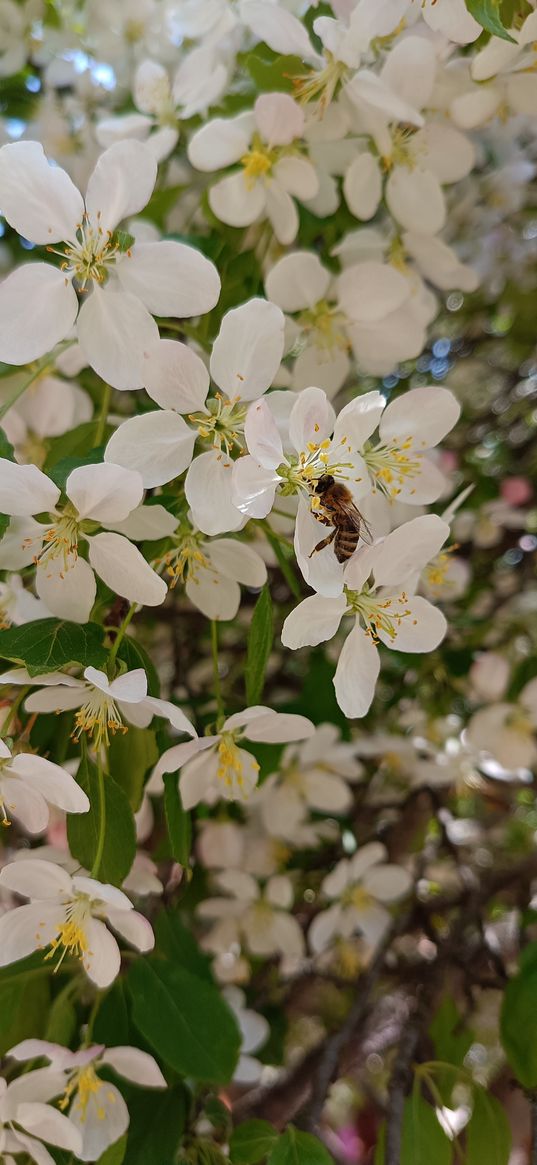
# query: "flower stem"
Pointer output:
{"type": "Point", "coordinates": [13, 710]}
{"type": "Point", "coordinates": [121, 633]}
{"type": "Point", "coordinates": [103, 415]}
{"type": "Point", "coordinates": [102, 819]}
{"type": "Point", "coordinates": [216, 672]}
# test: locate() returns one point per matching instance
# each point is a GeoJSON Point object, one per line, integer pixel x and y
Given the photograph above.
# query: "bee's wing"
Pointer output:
{"type": "Point", "coordinates": [354, 518]}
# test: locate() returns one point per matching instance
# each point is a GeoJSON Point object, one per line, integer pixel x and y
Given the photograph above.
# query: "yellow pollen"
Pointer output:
{"type": "Point", "coordinates": [256, 163]}
{"type": "Point", "coordinates": [71, 938]}
{"type": "Point", "coordinates": [99, 716]}
{"type": "Point", "coordinates": [230, 767]}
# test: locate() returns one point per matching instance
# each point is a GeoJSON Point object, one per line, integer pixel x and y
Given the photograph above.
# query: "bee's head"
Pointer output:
{"type": "Point", "coordinates": [325, 482]}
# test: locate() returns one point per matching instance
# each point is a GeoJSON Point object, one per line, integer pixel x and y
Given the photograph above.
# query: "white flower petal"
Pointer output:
{"type": "Point", "coordinates": [38, 200]}
{"type": "Point", "coordinates": [315, 620]}
{"type": "Point", "coordinates": [69, 594]}
{"type": "Point", "coordinates": [282, 213]}
{"type": "Point", "coordinates": [370, 291]}
{"type": "Point", "coordinates": [44, 1121]}
{"type": "Point", "coordinates": [208, 486]}
{"type": "Point", "coordinates": [175, 377]}
{"type": "Point", "coordinates": [121, 183]}
{"type": "Point", "coordinates": [115, 331]}
{"type": "Point", "coordinates": [25, 490]}
{"type": "Point", "coordinates": [278, 28]}
{"type": "Point", "coordinates": [101, 1123]}
{"type": "Point", "coordinates": [356, 674]}
{"type": "Point", "coordinates": [42, 294]}
{"type": "Point", "coordinates": [408, 549]}
{"type": "Point", "coordinates": [28, 928]}
{"type": "Point", "coordinates": [51, 781]}
{"type": "Point", "coordinates": [421, 628]}
{"type": "Point", "coordinates": [170, 278]}
{"type": "Point", "coordinates": [388, 883]}
{"type": "Point", "coordinates": [278, 728]}
{"type": "Point", "coordinates": [428, 414]}
{"type": "Point", "coordinates": [297, 281]}
{"type": "Point", "coordinates": [473, 109]}
{"type": "Point", "coordinates": [102, 960]}
{"type": "Point", "coordinates": [450, 154]}
{"type": "Point", "coordinates": [215, 596]}
{"type": "Point", "coordinates": [416, 200]}
{"type": "Point", "coordinates": [125, 571]}
{"type": "Point", "coordinates": [248, 350]}
{"type": "Point", "coordinates": [368, 88]}
{"type": "Point", "coordinates": [158, 445]}
{"type": "Point", "coordinates": [410, 70]}
{"type": "Point", "coordinates": [311, 421]}
{"type": "Point", "coordinates": [34, 878]}
{"type": "Point", "coordinates": [134, 1065]}
{"type": "Point", "coordinates": [253, 487]}
{"type": "Point", "coordinates": [235, 202]}
{"type": "Point", "coordinates": [320, 569]}
{"type": "Point", "coordinates": [362, 186]}
{"type": "Point", "coordinates": [279, 118]}
{"type": "Point", "coordinates": [451, 17]}
{"type": "Point", "coordinates": [297, 176]}
{"type": "Point", "coordinates": [104, 492]}
{"type": "Point", "coordinates": [324, 928]}
{"type": "Point", "coordinates": [146, 523]}
{"type": "Point", "coordinates": [221, 142]}
{"type": "Point", "coordinates": [262, 436]}
{"type": "Point", "coordinates": [237, 561]}
{"type": "Point", "coordinates": [133, 927]}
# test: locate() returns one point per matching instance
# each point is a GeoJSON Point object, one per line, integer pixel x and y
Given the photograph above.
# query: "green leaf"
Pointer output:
{"type": "Point", "coordinates": [423, 1140]}
{"type": "Point", "coordinates": [76, 447]}
{"type": "Point", "coordinates": [6, 448]}
{"type": "Point", "coordinates": [23, 1006]}
{"type": "Point", "coordinates": [112, 1026]}
{"type": "Point", "coordinates": [122, 240]}
{"type": "Point", "coordinates": [185, 1020]}
{"type": "Point", "coordinates": [270, 72]}
{"type": "Point", "coordinates": [177, 944]}
{"type": "Point", "coordinates": [251, 1142]}
{"type": "Point", "coordinates": [130, 757]}
{"type": "Point", "coordinates": [51, 644]}
{"type": "Point", "coordinates": [296, 1148]}
{"type": "Point", "coordinates": [260, 640]}
{"type": "Point", "coordinates": [134, 655]}
{"type": "Point", "coordinates": [115, 1154]}
{"type": "Point", "coordinates": [450, 1037]}
{"type": "Point", "coordinates": [488, 1135]}
{"type": "Point", "coordinates": [120, 831]}
{"type": "Point", "coordinates": [487, 14]}
{"type": "Point", "coordinates": [61, 1019]}
{"type": "Point", "coordinates": [518, 1024]}
{"type": "Point", "coordinates": [178, 820]}
{"type": "Point", "coordinates": [156, 1124]}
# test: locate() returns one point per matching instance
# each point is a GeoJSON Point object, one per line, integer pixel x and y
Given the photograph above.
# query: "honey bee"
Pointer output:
{"type": "Point", "coordinates": [337, 509]}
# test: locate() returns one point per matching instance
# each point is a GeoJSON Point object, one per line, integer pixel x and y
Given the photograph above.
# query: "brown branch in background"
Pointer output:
{"type": "Point", "coordinates": [401, 1077]}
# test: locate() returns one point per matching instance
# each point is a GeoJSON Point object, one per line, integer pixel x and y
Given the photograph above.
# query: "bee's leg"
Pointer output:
{"type": "Point", "coordinates": [321, 518]}
{"type": "Point", "coordinates": [325, 542]}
